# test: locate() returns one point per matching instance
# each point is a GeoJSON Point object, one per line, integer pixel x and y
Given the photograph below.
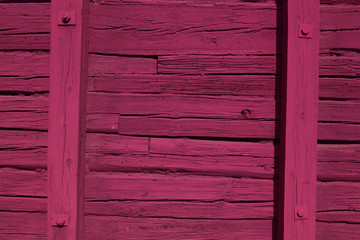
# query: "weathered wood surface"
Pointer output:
{"type": "Point", "coordinates": [175, 187]}
{"type": "Point", "coordinates": [185, 30]}
{"type": "Point", "coordinates": [299, 121]}
{"type": "Point", "coordinates": [242, 85]}
{"type": "Point", "coordinates": [341, 231]}
{"type": "Point", "coordinates": [211, 64]}
{"type": "Point", "coordinates": [35, 64]}
{"type": "Point", "coordinates": [180, 106]}
{"type": "Point", "coordinates": [338, 122]}
{"type": "Point", "coordinates": [331, 196]}
{"type": "Point", "coordinates": [67, 120]}
{"type": "Point", "coordinates": [16, 226]}
{"type": "Point", "coordinates": [221, 128]}
{"type": "Point", "coordinates": [111, 152]}
{"type": "Point", "coordinates": [179, 209]}
{"type": "Point", "coordinates": [134, 228]}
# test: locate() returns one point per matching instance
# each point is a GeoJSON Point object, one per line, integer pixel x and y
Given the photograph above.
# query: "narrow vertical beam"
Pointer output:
{"type": "Point", "coordinates": [299, 109]}
{"type": "Point", "coordinates": [68, 89]}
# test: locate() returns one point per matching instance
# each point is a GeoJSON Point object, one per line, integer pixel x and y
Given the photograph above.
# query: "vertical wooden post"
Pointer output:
{"type": "Point", "coordinates": [298, 143]}
{"type": "Point", "coordinates": [68, 89]}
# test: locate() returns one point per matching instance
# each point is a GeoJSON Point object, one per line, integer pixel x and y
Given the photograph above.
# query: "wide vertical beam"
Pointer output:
{"type": "Point", "coordinates": [68, 89]}
{"type": "Point", "coordinates": [299, 106]}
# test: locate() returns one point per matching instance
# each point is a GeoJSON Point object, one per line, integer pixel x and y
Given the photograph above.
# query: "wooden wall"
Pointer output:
{"type": "Point", "coordinates": [183, 112]}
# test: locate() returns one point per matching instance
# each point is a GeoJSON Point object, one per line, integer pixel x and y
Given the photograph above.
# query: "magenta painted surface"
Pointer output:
{"type": "Point", "coordinates": [183, 111]}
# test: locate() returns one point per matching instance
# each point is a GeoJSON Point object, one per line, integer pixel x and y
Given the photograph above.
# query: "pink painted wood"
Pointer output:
{"type": "Point", "coordinates": [67, 108]}
{"type": "Point", "coordinates": [299, 121]}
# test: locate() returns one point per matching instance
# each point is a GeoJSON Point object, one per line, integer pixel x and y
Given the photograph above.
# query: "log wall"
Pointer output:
{"type": "Point", "coordinates": [183, 113]}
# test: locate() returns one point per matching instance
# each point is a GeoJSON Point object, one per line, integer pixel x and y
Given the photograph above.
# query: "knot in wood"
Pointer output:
{"type": "Point", "coordinates": [246, 113]}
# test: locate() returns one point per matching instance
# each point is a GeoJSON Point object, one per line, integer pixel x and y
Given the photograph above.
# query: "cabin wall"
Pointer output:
{"type": "Point", "coordinates": [183, 112]}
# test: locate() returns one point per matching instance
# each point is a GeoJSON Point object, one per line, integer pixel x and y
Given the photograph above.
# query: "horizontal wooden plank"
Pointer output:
{"type": "Point", "coordinates": [23, 183]}
{"type": "Point", "coordinates": [340, 88]}
{"type": "Point", "coordinates": [351, 217]}
{"type": "Point", "coordinates": [338, 131]}
{"type": "Point", "coordinates": [174, 209]}
{"type": "Point", "coordinates": [100, 65]}
{"type": "Point", "coordinates": [339, 111]}
{"type": "Point", "coordinates": [112, 152]}
{"type": "Point", "coordinates": [21, 84]}
{"type": "Point", "coordinates": [16, 226]}
{"type": "Point", "coordinates": [101, 186]}
{"type": "Point", "coordinates": [338, 162]}
{"type": "Point", "coordinates": [115, 144]}
{"type": "Point", "coordinates": [139, 29]}
{"type": "Point", "coordinates": [152, 126]}
{"type": "Point", "coordinates": [195, 29]}
{"type": "Point", "coordinates": [107, 123]}
{"type": "Point", "coordinates": [331, 196]}
{"type": "Point", "coordinates": [28, 65]}
{"type": "Point", "coordinates": [244, 85]}
{"type": "Point", "coordinates": [176, 106]}
{"type": "Point", "coordinates": [23, 204]}
{"type": "Point", "coordinates": [230, 166]}
{"type": "Point", "coordinates": [338, 196]}
{"type": "Point", "coordinates": [177, 229]}
{"type": "Point", "coordinates": [341, 231]}
{"type": "Point", "coordinates": [175, 115]}
{"type": "Point", "coordinates": [25, 64]}
{"type": "Point", "coordinates": [211, 64]}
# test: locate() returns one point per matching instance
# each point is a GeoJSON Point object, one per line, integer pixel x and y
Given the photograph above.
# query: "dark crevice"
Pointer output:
{"type": "Point", "coordinates": [347, 222]}
{"type": "Point", "coordinates": [338, 99]}
{"type": "Point", "coordinates": [23, 196]}
{"type": "Point", "coordinates": [24, 129]}
{"type": "Point", "coordinates": [27, 33]}
{"type": "Point", "coordinates": [24, 93]}
{"type": "Point", "coordinates": [25, 1]}
{"type": "Point", "coordinates": [175, 200]}
{"type": "Point", "coordinates": [254, 140]}
{"type": "Point", "coordinates": [125, 55]}
{"type": "Point", "coordinates": [340, 76]}
{"type": "Point", "coordinates": [24, 211]}
{"type": "Point", "coordinates": [338, 141]}
{"type": "Point", "coordinates": [339, 30]}
{"type": "Point", "coordinates": [341, 122]}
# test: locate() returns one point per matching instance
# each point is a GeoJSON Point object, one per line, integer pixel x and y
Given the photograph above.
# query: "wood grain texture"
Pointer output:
{"type": "Point", "coordinates": [187, 127]}
{"type": "Point", "coordinates": [16, 226]}
{"type": "Point", "coordinates": [241, 85]}
{"type": "Point", "coordinates": [177, 106]}
{"type": "Point", "coordinates": [67, 121]}
{"type": "Point", "coordinates": [250, 117]}
{"type": "Point", "coordinates": [111, 152]}
{"type": "Point", "coordinates": [148, 228]}
{"type": "Point", "coordinates": [299, 117]}
{"type": "Point", "coordinates": [23, 182]}
{"type": "Point", "coordinates": [341, 231]}
{"type": "Point", "coordinates": [176, 187]}
{"type": "Point", "coordinates": [186, 156]}
{"type": "Point", "coordinates": [181, 210]}
{"type": "Point", "coordinates": [31, 29]}
{"type": "Point", "coordinates": [195, 29]}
